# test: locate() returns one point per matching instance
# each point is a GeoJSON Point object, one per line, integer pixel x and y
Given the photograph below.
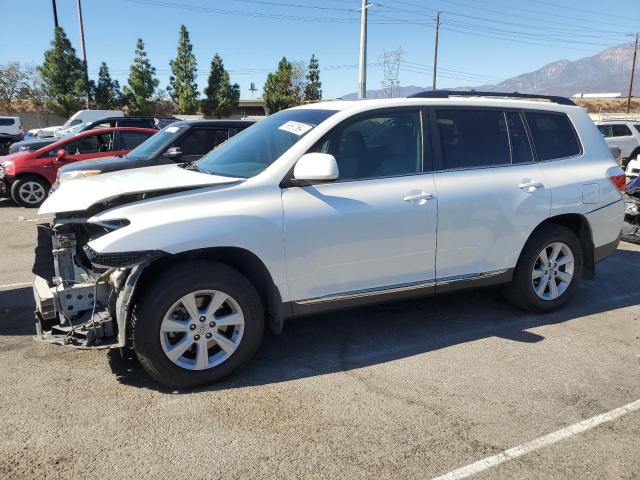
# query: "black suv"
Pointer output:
{"type": "Point", "coordinates": [137, 122]}
{"type": "Point", "coordinates": [184, 141]}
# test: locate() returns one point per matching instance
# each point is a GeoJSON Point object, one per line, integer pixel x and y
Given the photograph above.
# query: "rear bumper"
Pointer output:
{"type": "Point", "coordinates": [603, 251]}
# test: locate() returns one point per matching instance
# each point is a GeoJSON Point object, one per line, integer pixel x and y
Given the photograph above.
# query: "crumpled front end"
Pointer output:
{"type": "Point", "coordinates": [79, 301]}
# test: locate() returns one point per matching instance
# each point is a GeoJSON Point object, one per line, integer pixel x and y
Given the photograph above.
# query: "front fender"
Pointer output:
{"type": "Point", "coordinates": [250, 219]}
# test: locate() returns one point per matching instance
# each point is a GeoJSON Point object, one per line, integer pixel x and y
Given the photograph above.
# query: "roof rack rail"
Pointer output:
{"type": "Point", "coordinates": [473, 93]}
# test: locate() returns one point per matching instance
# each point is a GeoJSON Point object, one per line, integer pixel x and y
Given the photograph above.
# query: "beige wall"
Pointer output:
{"type": "Point", "coordinates": [36, 120]}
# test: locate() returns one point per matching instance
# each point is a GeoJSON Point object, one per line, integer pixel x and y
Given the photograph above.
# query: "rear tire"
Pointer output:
{"type": "Point", "coordinates": [30, 191]}
{"type": "Point", "coordinates": [181, 351]}
{"type": "Point", "coordinates": [542, 288]}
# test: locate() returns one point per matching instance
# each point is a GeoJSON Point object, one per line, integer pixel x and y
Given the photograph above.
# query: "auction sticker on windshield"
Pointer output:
{"type": "Point", "coordinates": [172, 129]}
{"type": "Point", "coordinates": [297, 128]}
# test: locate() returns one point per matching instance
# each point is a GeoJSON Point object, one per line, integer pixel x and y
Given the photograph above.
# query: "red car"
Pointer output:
{"type": "Point", "coordinates": [28, 176]}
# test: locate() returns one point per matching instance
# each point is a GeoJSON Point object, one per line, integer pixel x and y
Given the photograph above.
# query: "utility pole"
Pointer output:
{"type": "Point", "coordinates": [633, 71]}
{"type": "Point", "coordinates": [362, 74]}
{"type": "Point", "coordinates": [55, 14]}
{"type": "Point", "coordinates": [84, 54]}
{"type": "Point", "coordinates": [435, 52]}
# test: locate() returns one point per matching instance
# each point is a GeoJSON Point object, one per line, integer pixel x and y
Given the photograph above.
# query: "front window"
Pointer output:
{"type": "Point", "coordinates": [158, 143]}
{"type": "Point", "coordinates": [254, 149]}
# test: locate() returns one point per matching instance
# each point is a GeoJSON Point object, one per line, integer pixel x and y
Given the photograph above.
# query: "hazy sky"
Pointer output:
{"type": "Point", "coordinates": [480, 42]}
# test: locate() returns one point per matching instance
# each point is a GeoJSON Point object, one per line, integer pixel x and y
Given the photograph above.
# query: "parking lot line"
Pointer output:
{"type": "Point", "coordinates": [11, 285]}
{"type": "Point", "coordinates": [539, 442]}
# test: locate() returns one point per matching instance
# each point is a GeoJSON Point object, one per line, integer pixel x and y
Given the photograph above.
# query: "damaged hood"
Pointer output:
{"type": "Point", "coordinates": [80, 194]}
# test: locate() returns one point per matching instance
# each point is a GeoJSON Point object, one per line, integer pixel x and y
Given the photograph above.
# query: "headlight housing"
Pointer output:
{"type": "Point", "coordinates": [65, 176]}
{"type": "Point", "coordinates": [120, 259]}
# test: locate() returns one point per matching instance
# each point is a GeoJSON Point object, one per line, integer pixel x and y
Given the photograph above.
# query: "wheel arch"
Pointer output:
{"type": "Point", "coordinates": [246, 262]}
{"type": "Point", "coordinates": [579, 225]}
{"type": "Point", "coordinates": [21, 175]}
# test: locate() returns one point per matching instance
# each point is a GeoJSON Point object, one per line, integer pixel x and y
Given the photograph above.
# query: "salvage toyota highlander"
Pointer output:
{"type": "Point", "coordinates": [327, 206]}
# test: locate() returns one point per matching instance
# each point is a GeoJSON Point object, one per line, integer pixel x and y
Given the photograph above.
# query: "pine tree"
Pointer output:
{"type": "Point", "coordinates": [278, 89]}
{"type": "Point", "coordinates": [62, 76]}
{"type": "Point", "coordinates": [182, 86]}
{"type": "Point", "coordinates": [313, 92]}
{"type": "Point", "coordinates": [142, 82]}
{"type": "Point", "coordinates": [107, 93]}
{"type": "Point", "coordinates": [221, 96]}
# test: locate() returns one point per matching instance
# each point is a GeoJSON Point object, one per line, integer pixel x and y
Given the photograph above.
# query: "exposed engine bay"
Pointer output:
{"type": "Point", "coordinates": [631, 226]}
{"type": "Point", "coordinates": [75, 301]}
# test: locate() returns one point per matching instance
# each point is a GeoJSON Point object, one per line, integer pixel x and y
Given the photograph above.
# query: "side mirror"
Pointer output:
{"type": "Point", "coordinates": [316, 167]}
{"type": "Point", "coordinates": [61, 155]}
{"type": "Point", "coordinates": [173, 153]}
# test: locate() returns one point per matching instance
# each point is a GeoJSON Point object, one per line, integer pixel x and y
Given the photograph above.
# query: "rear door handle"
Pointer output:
{"type": "Point", "coordinates": [419, 197]}
{"type": "Point", "coordinates": [530, 186]}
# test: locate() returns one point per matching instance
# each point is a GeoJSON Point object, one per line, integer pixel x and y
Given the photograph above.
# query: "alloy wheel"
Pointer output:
{"type": "Point", "coordinates": [31, 192]}
{"type": "Point", "coordinates": [202, 329]}
{"type": "Point", "coordinates": [553, 271]}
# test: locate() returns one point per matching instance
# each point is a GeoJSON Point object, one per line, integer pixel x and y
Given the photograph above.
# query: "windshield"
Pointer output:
{"type": "Point", "coordinates": [67, 132]}
{"type": "Point", "coordinates": [156, 143]}
{"type": "Point", "coordinates": [250, 152]}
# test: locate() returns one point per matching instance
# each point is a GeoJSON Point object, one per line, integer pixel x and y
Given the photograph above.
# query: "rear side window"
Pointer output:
{"type": "Point", "coordinates": [553, 135]}
{"type": "Point", "coordinates": [520, 147]}
{"type": "Point", "coordinates": [605, 130]}
{"type": "Point", "coordinates": [4, 122]}
{"type": "Point", "coordinates": [130, 140]}
{"type": "Point", "coordinates": [473, 138]}
{"type": "Point", "coordinates": [620, 131]}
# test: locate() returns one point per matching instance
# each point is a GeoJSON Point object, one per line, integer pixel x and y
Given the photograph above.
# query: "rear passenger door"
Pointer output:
{"type": "Point", "coordinates": [491, 192]}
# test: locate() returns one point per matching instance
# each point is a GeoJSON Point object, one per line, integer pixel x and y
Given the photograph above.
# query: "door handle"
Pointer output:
{"type": "Point", "coordinates": [419, 197]}
{"type": "Point", "coordinates": [530, 186]}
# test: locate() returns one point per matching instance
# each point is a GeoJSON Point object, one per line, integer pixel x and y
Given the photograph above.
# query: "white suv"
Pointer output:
{"type": "Point", "coordinates": [625, 135]}
{"type": "Point", "coordinates": [327, 206]}
{"type": "Point", "coordinates": [10, 131]}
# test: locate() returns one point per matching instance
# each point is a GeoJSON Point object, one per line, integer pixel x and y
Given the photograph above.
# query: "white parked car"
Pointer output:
{"type": "Point", "coordinates": [81, 116]}
{"type": "Point", "coordinates": [10, 131]}
{"type": "Point", "coordinates": [625, 135]}
{"type": "Point", "coordinates": [321, 207]}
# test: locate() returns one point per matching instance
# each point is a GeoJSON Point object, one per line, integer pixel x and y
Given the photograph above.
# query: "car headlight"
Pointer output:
{"type": "Point", "coordinates": [7, 164]}
{"type": "Point", "coordinates": [1, 171]}
{"type": "Point", "coordinates": [65, 176]}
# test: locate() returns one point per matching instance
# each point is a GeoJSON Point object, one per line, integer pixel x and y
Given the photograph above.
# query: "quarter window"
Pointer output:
{"type": "Point", "coordinates": [380, 145]}
{"type": "Point", "coordinates": [473, 138]}
{"type": "Point", "coordinates": [553, 135]}
{"type": "Point", "coordinates": [605, 130]}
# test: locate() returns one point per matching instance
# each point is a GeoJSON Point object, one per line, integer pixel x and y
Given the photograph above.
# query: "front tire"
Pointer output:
{"type": "Point", "coordinates": [29, 191]}
{"type": "Point", "coordinates": [197, 323]}
{"type": "Point", "coordinates": [548, 270]}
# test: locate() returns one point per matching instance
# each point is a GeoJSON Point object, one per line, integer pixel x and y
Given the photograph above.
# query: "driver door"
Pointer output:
{"type": "Point", "coordinates": [96, 145]}
{"type": "Point", "coordinates": [372, 231]}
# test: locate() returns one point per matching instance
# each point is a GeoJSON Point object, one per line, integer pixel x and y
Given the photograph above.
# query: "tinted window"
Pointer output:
{"type": "Point", "coordinates": [637, 127]}
{"type": "Point", "coordinates": [377, 146]}
{"type": "Point", "coordinates": [520, 147]}
{"type": "Point", "coordinates": [139, 123]}
{"type": "Point", "coordinates": [620, 130]}
{"type": "Point", "coordinates": [473, 138]}
{"type": "Point", "coordinates": [99, 142]}
{"type": "Point", "coordinates": [129, 140]}
{"type": "Point", "coordinates": [199, 141]}
{"type": "Point", "coordinates": [605, 130]}
{"type": "Point", "coordinates": [553, 135]}
{"type": "Point", "coordinates": [6, 121]}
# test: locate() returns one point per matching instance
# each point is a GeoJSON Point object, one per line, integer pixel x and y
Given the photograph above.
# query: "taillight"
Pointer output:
{"type": "Point", "coordinates": [616, 176]}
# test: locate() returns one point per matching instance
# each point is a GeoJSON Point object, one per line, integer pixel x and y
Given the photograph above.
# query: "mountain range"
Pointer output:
{"type": "Point", "coordinates": [607, 71]}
